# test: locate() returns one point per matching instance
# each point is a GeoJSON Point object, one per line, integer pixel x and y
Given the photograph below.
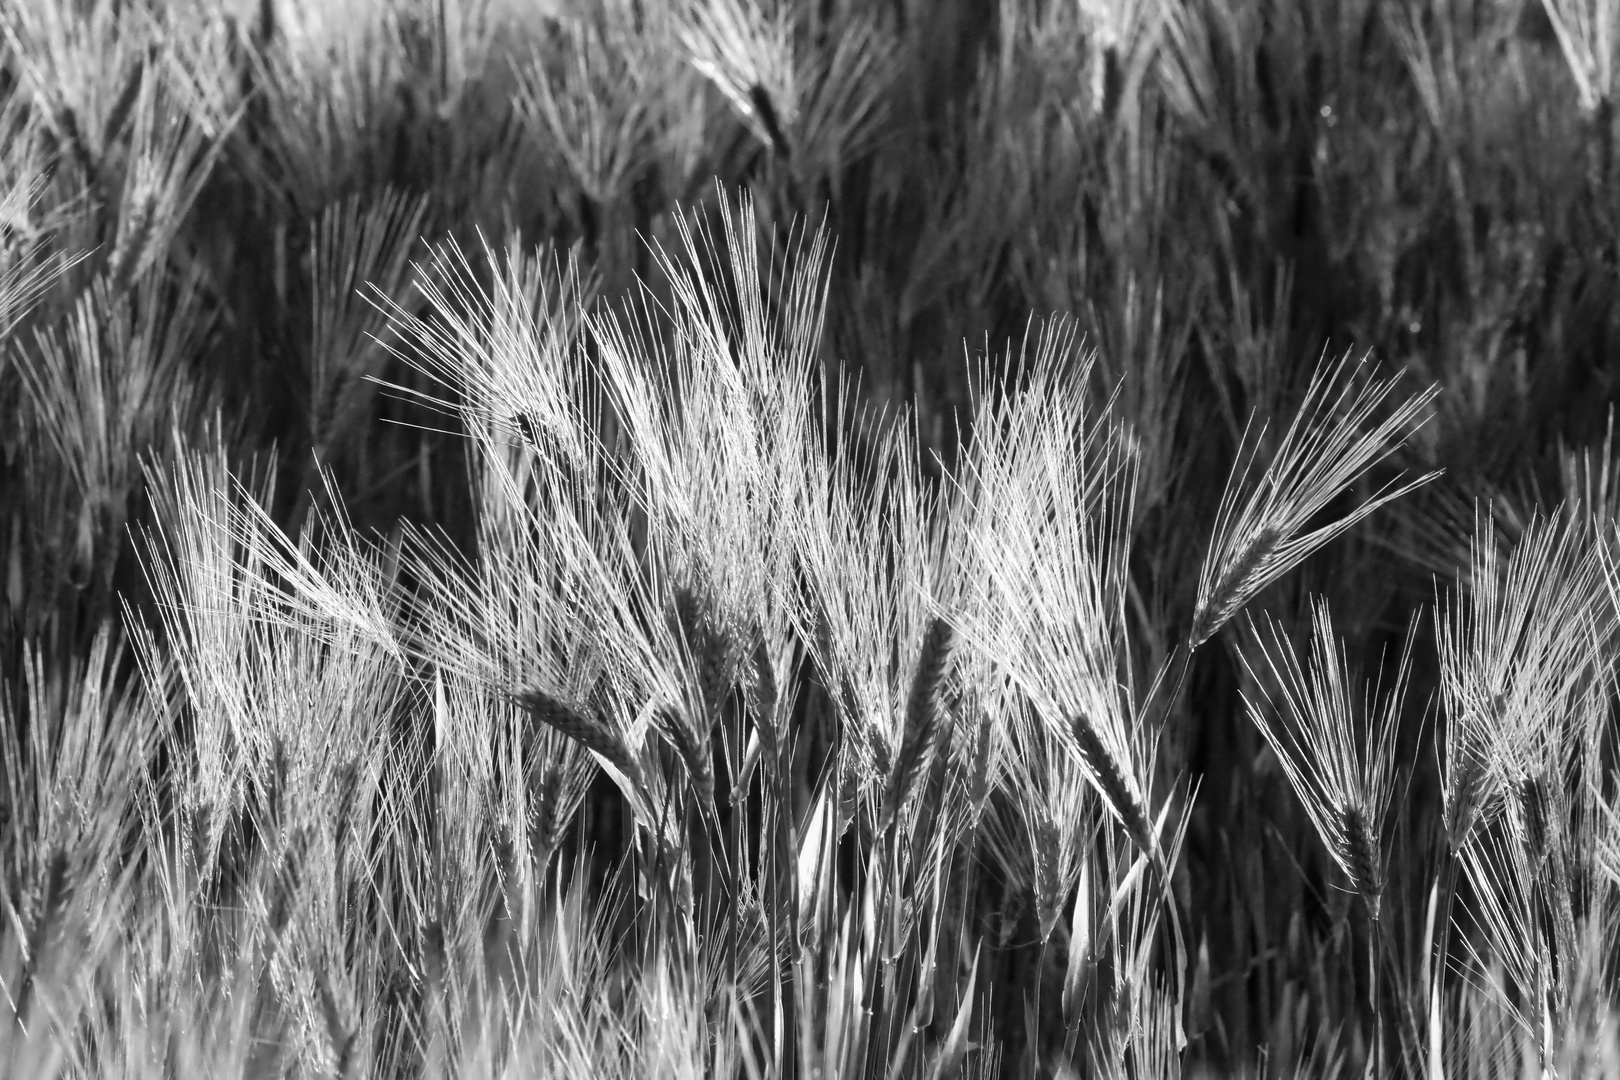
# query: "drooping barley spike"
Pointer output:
{"type": "Point", "coordinates": [589, 732]}
{"type": "Point", "coordinates": [1234, 587]}
{"type": "Point", "coordinates": [1360, 853]}
{"type": "Point", "coordinates": [924, 711]}
{"type": "Point", "coordinates": [1112, 781]}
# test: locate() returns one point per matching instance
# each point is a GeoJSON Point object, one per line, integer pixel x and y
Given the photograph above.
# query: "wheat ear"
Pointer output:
{"type": "Point", "coordinates": [544, 820]}
{"type": "Point", "coordinates": [1234, 587]}
{"type": "Point", "coordinates": [1048, 879]}
{"type": "Point", "coordinates": [1111, 779]}
{"type": "Point", "coordinates": [693, 750]}
{"type": "Point", "coordinates": [713, 648]}
{"type": "Point", "coordinates": [589, 732]}
{"type": "Point", "coordinates": [923, 713]}
{"type": "Point", "coordinates": [1359, 854]}
{"type": "Point", "coordinates": [1464, 791]}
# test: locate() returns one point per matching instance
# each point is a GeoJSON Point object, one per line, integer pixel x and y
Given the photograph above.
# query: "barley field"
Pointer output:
{"type": "Point", "coordinates": [760, 539]}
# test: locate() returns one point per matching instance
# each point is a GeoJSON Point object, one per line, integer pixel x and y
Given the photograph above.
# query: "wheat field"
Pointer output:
{"type": "Point", "coordinates": [809, 539]}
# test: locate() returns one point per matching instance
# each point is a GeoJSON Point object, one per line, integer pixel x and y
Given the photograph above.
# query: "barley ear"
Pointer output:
{"type": "Point", "coordinates": [1112, 782]}
{"type": "Point", "coordinates": [1236, 585]}
{"type": "Point", "coordinates": [1047, 884]}
{"type": "Point", "coordinates": [713, 648]}
{"type": "Point", "coordinates": [46, 918]}
{"type": "Point", "coordinates": [1462, 795]}
{"type": "Point", "coordinates": [1359, 852]}
{"type": "Point", "coordinates": [923, 712]}
{"type": "Point", "coordinates": [586, 730]}
{"type": "Point", "coordinates": [1467, 784]}
{"type": "Point", "coordinates": [693, 750]}
{"type": "Point", "coordinates": [544, 821]}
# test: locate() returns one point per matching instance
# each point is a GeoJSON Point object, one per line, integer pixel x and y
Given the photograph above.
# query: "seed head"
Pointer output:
{"type": "Point", "coordinates": [923, 712]}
